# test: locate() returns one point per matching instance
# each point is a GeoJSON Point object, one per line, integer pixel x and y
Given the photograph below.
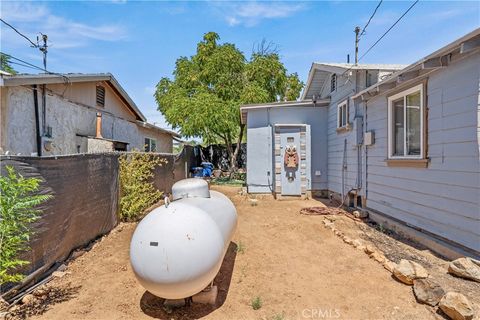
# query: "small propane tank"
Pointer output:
{"type": "Point", "coordinates": [177, 249]}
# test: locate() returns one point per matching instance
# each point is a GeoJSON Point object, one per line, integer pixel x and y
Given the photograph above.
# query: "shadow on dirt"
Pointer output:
{"type": "Point", "coordinates": [41, 300]}
{"type": "Point", "coordinates": [153, 306]}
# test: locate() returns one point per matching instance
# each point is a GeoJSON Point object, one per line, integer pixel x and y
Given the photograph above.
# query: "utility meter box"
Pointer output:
{"type": "Point", "coordinates": [369, 138]}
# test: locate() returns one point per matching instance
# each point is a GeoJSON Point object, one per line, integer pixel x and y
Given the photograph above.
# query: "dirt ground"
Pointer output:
{"type": "Point", "coordinates": [296, 266]}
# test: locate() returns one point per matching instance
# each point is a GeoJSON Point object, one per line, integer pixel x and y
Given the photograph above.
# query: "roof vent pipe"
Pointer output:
{"type": "Point", "coordinates": [98, 132]}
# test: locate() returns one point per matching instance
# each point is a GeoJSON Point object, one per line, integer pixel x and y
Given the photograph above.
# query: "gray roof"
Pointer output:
{"type": "Point", "coordinates": [360, 66]}
{"type": "Point", "coordinates": [320, 73]}
{"type": "Point", "coordinates": [151, 126]}
{"type": "Point", "coordinates": [44, 78]}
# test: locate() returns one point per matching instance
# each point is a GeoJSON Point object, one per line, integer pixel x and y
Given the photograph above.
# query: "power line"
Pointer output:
{"type": "Point", "coordinates": [25, 62]}
{"type": "Point", "coordinates": [386, 32]}
{"type": "Point", "coordinates": [371, 17]}
{"type": "Point", "coordinates": [22, 64]}
{"type": "Point", "coordinates": [21, 34]}
{"type": "Point", "coordinates": [376, 42]}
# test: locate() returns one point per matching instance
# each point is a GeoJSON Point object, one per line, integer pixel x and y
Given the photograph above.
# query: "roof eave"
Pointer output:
{"type": "Point", "coordinates": [151, 126]}
{"type": "Point", "coordinates": [278, 105]}
{"type": "Point", "coordinates": [420, 64]}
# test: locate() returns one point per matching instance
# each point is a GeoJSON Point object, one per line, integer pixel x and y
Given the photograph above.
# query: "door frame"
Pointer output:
{"type": "Point", "coordinates": [304, 156]}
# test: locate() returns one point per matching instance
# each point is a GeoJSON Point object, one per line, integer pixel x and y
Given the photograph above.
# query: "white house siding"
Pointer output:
{"type": "Point", "coordinates": [336, 139]}
{"type": "Point", "coordinates": [67, 119]}
{"type": "Point", "coordinates": [444, 198]}
{"type": "Point", "coordinates": [260, 145]}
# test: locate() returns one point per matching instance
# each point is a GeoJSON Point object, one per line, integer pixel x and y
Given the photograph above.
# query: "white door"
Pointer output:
{"type": "Point", "coordinates": [290, 152]}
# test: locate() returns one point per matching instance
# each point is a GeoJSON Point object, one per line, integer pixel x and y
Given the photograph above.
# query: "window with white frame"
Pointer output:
{"type": "Point", "coordinates": [150, 145]}
{"type": "Point", "coordinates": [405, 124]}
{"type": "Point", "coordinates": [342, 114]}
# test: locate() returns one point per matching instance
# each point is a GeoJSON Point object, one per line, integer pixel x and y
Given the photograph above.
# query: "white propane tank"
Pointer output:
{"type": "Point", "coordinates": [177, 250]}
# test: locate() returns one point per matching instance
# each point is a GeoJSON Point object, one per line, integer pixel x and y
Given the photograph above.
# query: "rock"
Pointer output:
{"type": "Point", "coordinates": [3, 305]}
{"type": "Point", "coordinates": [427, 291]}
{"type": "Point", "coordinates": [467, 268]}
{"type": "Point", "coordinates": [456, 306]}
{"type": "Point", "coordinates": [78, 253]}
{"type": "Point", "coordinates": [330, 226]}
{"type": "Point", "coordinates": [407, 271]}
{"type": "Point", "coordinates": [357, 243]}
{"type": "Point", "coordinates": [40, 292]}
{"type": "Point", "coordinates": [361, 248]}
{"type": "Point", "coordinates": [206, 296]}
{"type": "Point", "coordinates": [28, 299]}
{"type": "Point", "coordinates": [360, 214]}
{"type": "Point", "coordinates": [379, 257]}
{"type": "Point", "coordinates": [369, 249]}
{"type": "Point", "coordinates": [389, 265]}
{"type": "Point", "coordinates": [59, 274]}
{"type": "Point", "coordinates": [347, 240]}
{"type": "Point", "coordinates": [62, 267]}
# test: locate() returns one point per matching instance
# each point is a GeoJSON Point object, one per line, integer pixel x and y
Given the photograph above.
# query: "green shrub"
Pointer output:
{"type": "Point", "coordinates": [240, 247]}
{"type": "Point", "coordinates": [17, 211]}
{"type": "Point", "coordinates": [256, 303]}
{"type": "Point", "coordinates": [137, 189]}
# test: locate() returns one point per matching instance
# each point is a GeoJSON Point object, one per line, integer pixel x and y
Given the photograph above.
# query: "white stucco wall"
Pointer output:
{"type": "Point", "coordinates": [67, 120]}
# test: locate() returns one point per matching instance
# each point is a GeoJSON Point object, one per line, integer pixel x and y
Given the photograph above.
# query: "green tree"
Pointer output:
{"type": "Point", "coordinates": [18, 203]}
{"type": "Point", "coordinates": [5, 64]}
{"type": "Point", "coordinates": [204, 97]}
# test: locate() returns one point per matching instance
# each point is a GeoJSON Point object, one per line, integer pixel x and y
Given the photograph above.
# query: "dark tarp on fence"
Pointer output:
{"type": "Point", "coordinates": [84, 204]}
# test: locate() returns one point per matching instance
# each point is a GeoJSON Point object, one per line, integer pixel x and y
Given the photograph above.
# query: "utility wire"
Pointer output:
{"type": "Point", "coordinates": [22, 64]}
{"type": "Point", "coordinates": [386, 32]}
{"type": "Point", "coordinates": [25, 62]}
{"type": "Point", "coordinates": [370, 19]}
{"type": "Point", "coordinates": [383, 35]}
{"type": "Point", "coordinates": [21, 34]}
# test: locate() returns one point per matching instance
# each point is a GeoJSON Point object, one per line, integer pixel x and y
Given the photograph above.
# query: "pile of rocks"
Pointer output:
{"type": "Point", "coordinates": [455, 305]}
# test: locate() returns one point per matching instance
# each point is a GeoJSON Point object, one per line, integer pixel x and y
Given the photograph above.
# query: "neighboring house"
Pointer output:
{"type": "Point", "coordinates": [405, 146]}
{"type": "Point", "coordinates": [58, 114]}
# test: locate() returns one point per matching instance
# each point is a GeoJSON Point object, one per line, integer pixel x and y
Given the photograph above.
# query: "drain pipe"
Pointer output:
{"type": "Point", "coordinates": [37, 121]}
{"type": "Point", "coordinates": [98, 129]}
{"type": "Point", "coordinates": [44, 109]}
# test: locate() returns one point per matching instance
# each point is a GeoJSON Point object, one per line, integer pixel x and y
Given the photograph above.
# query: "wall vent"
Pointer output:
{"type": "Point", "coordinates": [101, 96]}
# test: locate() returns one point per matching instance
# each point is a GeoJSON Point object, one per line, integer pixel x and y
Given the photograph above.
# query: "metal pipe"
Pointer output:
{"type": "Point", "coordinates": [37, 121]}
{"type": "Point", "coordinates": [98, 131]}
{"type": "Point", "coordinates": [44, 109]}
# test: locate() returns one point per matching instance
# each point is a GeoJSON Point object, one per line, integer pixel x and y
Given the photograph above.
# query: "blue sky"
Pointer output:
{"type": "Point", "coordinates": [139, 41]}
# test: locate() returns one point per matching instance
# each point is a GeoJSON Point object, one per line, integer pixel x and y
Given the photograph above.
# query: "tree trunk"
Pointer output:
{"type": "Point", "coordinates": [233, 158]}
{"type": "Point", "coordinates": [228, 146]}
